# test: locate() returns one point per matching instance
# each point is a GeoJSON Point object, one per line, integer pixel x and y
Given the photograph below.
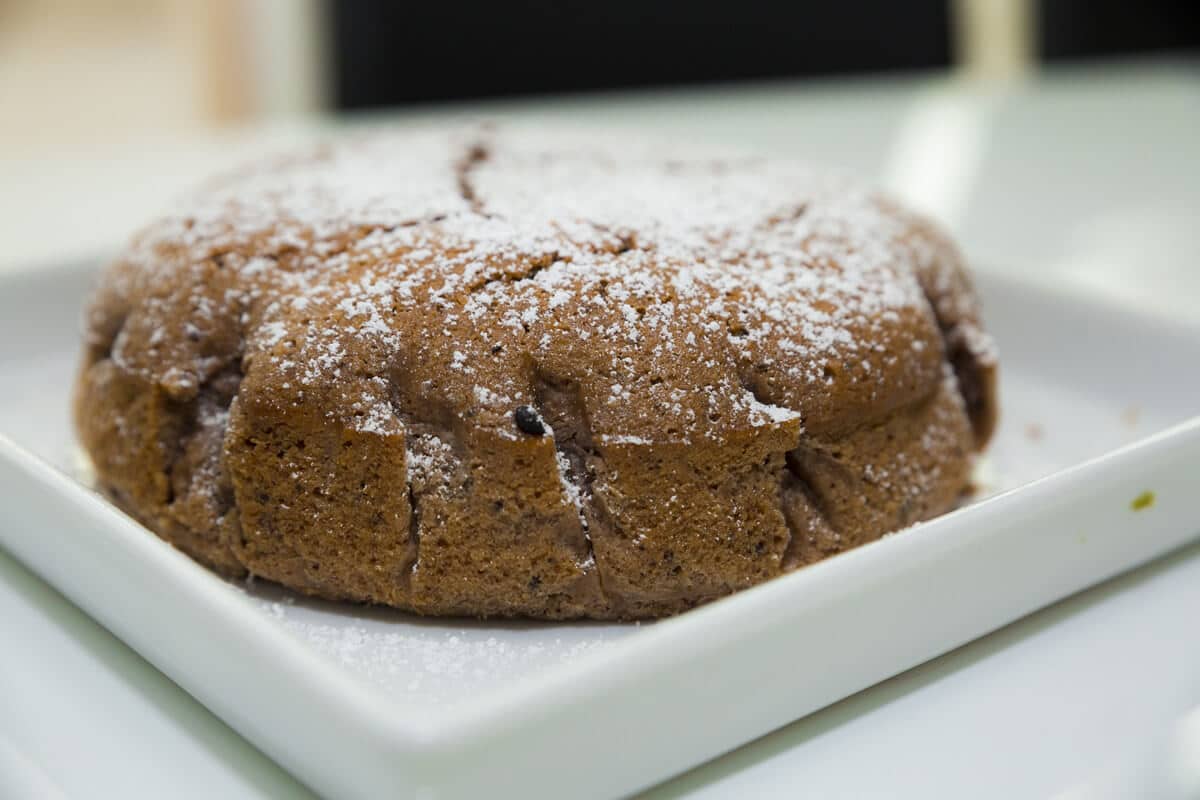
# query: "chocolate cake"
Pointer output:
{"type": "Point", "coordinates": [490, 372]}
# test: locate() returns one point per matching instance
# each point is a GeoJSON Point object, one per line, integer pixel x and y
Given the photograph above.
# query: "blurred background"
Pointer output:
{"type": "Point", "coordinates": [1056, 138]}
{"type": "Point", "coordinates": [78, 68]}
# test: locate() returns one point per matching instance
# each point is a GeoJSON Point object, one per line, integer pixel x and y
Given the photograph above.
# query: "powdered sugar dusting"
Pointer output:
{"type": "Point", "coordinates": [662, 284]}
{"type": "Point", "coordinates": [433, 666]}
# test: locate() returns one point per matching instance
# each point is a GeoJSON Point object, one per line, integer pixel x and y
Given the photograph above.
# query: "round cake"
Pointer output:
{"type": "Point", "coordinates": [490, 372]}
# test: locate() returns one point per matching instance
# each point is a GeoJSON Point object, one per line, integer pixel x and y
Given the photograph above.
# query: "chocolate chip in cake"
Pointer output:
{"type": "Point", "coordinates": [529, 421]}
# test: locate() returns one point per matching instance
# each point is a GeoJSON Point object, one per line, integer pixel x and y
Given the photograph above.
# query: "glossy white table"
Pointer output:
{"type": "Point", "coordinates": [1091, 177]}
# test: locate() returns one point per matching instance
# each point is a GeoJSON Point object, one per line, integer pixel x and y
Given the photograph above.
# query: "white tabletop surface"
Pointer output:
{"type": "Point", "coordinates": [1089, 177]}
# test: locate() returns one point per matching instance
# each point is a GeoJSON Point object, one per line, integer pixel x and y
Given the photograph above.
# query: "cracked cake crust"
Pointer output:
{"type": "Point", "coordinates": [494, 372]}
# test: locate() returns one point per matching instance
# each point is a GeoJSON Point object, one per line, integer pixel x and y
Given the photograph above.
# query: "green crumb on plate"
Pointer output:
{"type": "Point", "coordinates": [1142, 501]}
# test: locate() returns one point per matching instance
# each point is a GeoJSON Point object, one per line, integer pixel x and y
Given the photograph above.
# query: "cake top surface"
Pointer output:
{"type": "Point", "coordinates": [403, 274]}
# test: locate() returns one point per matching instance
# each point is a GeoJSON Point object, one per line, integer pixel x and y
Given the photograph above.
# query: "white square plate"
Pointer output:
{"type": "Point", "coordinates": [364, 702]}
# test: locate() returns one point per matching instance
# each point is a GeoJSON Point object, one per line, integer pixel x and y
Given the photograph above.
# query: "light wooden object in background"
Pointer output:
{"type": "Point", "coordinates": [994, 39]}
{"type": "Point", "coordinates": [79, 74]}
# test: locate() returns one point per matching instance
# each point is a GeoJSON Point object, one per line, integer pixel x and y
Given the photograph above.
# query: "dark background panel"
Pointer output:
{"type": "Point", "coordinates": [1084, 29]}
{"type": "Point", "coordinates": [397, 53]}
